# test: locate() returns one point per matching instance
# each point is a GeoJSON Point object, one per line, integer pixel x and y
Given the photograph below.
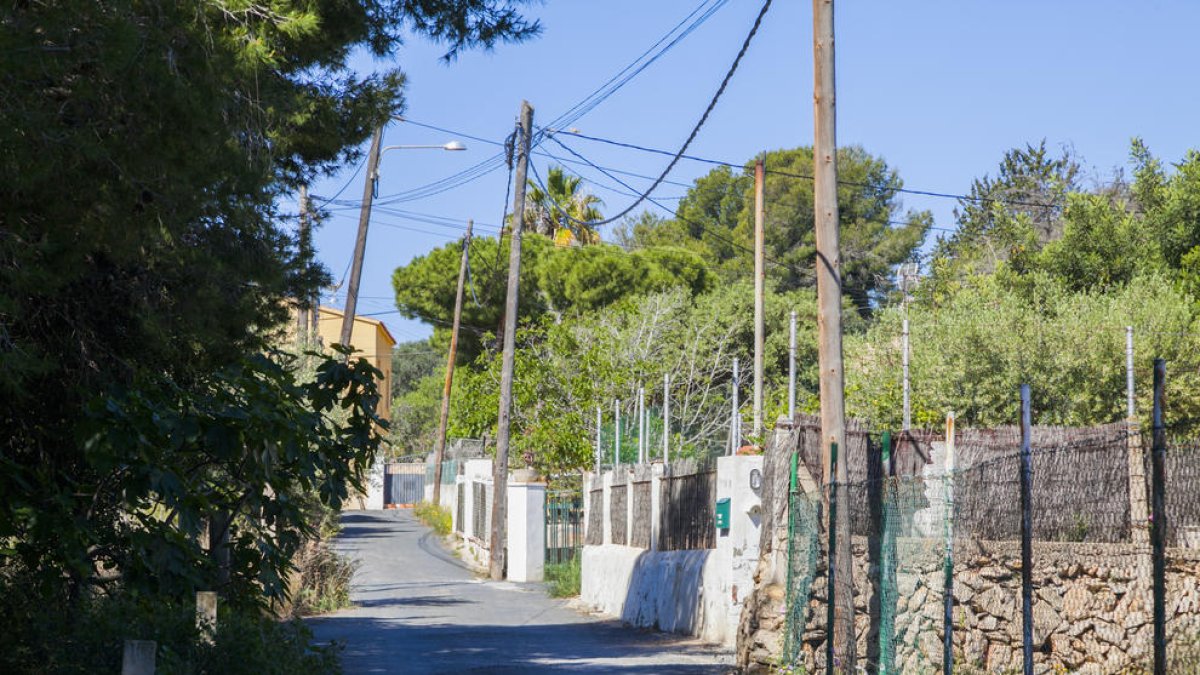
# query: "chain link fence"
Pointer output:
{"type": "Point", "coordinates": [993, 556]}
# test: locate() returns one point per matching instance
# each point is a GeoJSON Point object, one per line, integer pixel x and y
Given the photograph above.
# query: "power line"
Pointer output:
{"type": "Point", "coordinates": [788, 174]}
{"type": "Point", "coordinates": [589, 103]}
{"type": "Point", "coordinates": [696, 129]}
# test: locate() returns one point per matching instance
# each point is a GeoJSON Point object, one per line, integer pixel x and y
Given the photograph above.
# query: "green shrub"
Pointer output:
{"type": "Point", "coordinates": [563, 579]}
{"type": "Point", "coordinates": [43, 636]}
{"type": "Point", "coordinates": [437, 518]}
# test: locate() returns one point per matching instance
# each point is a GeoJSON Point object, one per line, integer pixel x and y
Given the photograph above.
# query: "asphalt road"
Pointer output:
{"type": "Point", "coordinates": [418, 609]}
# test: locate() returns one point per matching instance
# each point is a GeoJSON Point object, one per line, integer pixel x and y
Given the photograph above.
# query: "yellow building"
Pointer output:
{"type": "Point", "coordinates": [372, 340]}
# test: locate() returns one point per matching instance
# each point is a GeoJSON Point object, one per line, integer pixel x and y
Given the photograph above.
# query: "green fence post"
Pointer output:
{"type": "Point", "coordinates": [887, 566]}
{"type": "Point", "coordinates": [830, 576]}
{"type": "Point", "coordinates": [1158, 522]}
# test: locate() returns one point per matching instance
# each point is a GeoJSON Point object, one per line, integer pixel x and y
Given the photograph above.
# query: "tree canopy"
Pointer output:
{"type": "Point", "coordinates": [555, 280]}
{"type": "Point", "coordinates": [144, 263]}
{"type": "Point", "coordinates": [716, 219]}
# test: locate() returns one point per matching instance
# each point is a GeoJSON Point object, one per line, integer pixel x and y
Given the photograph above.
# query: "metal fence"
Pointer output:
{"type": "Point", "coordinates": [403, 483]}
{"type": "Point", "coordinates": [687, 507]}
{"type": "Point", "coordinates": [481, 512]}
{"type": "Point", "coordinates": [595, 525]}
{"type": "Point", "coordinates": [460, 508]}
{"type": "Point", "coordinates": [564, 526]}
{"type": "Point", "coordinates": [618, 509]}
{"type": "Point", "coordinates": [1052, 550]}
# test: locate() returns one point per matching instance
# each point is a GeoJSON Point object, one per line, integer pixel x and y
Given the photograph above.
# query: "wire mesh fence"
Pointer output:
{"type": "Point", "coordinates": [983, 558]}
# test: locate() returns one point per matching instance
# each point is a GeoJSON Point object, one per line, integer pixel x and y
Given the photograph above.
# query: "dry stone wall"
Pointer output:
{"type": "Point", "coordinates": [1091, 608]}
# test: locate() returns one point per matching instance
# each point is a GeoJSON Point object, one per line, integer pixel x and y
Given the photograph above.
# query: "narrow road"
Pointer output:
{"type": "Point", "coordinates": [419, 610]}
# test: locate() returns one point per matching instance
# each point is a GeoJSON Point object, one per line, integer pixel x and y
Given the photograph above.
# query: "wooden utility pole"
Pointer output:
{"type": "Point", "coordinates": [440, 448]}
{"type": "Point", "coordinates": [360, 242]}
{"type": "Point", "coordinates": [503, 430]}
{"type": "Point", "coordinates": [829, 321]}
{"type": "Point", "coordinates": [759, 293]}
{"type": "Point", "coordinates": [304, 242]}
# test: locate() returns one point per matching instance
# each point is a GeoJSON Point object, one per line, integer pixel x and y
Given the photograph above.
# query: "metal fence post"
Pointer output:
{"type": "Point", "coordinates": [830, 577]}
{"type": "Point", "coordinates": [1026, 531]}
{"type": "Point", "coordinates": [875, 477]}
{"type": "Point", "coordinates": [1158, 523]}
{"type": "Point", "coordinates": [948, 578]}
{"type": "Point", "coordinates": [887, 572]}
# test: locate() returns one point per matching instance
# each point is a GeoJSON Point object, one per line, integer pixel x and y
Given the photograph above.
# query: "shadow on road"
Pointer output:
{"type": "Point", "coordinates": [596, 647]}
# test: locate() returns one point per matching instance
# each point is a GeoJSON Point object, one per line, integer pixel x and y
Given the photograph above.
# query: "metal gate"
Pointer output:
{"type": "Point", "coordinates": [564, 526]}
{"type": "Point", "coordinates": [403, 483]}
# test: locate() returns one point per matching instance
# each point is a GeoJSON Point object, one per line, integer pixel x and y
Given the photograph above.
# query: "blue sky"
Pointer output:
{"type": "Point", "coordinates": [939, 89]}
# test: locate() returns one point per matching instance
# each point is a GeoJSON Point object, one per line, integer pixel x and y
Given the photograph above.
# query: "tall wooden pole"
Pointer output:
{"type": "Point", "coordinates": [360, 242]}
{"type": "Point", "coordinates": [440, 448]}
{"type": "Point", "coordinates": [759, 292]}
{"type": "Point", "coordinates": [829, 315]}
{"type": "Point", "coordinates": [503, 428]}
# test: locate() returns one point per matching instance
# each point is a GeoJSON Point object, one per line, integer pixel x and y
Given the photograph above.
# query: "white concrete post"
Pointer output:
{"type": "Point", "coordinates": [641, 424]}
{"type": "Point", "coordinates": [138, 657]}
{"type": "Point", "coordinates": [792, 368]}
{"type": "Point", "coordinates": [526, 531]}
{"type": "Point", "coordinates": [599, 424]}
{"type": "Point", "coordinates": [734, 422]}
{"type": "Point", "coordinates": [666, 418]}
{"type": "Point", "coordinates": [617, 428]}
{"type": "Point", "coordinates": [1130, 412]}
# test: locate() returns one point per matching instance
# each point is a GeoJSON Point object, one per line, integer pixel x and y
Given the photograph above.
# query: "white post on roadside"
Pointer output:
{"type": "Point", "coordinates": [735, 430]}
{"type": "Point", "coordinates": [641, 424]}
{"type": "Point", "coordinates": [599, 422]}
{"type": "Point", "coordinates": [667, 418]}
{"type": "Point", "coordinates": [617, 433]}
{"type": "Point", "coordinates": [792, 369]}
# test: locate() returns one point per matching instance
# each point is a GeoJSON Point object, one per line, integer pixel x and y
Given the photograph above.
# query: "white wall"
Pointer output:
{"type": "Point", "coordinates": [696, 593]}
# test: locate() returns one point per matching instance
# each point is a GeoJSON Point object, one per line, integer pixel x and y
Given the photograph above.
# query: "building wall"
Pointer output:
{"type": "Point", "coordinates": [372, 340]}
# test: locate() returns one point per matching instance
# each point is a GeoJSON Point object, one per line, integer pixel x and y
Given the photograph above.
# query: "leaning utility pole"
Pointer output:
{"type": "Point", "coordinates": [829, 323]}
{"type": "Point", "coordinates": [503, 430]}
{"type": "Point", "coordinates": [759, 291]}
{"type": "Point", "coordinates": [440, 448]}
{"type": "Point", "coordinates": [360, 243]}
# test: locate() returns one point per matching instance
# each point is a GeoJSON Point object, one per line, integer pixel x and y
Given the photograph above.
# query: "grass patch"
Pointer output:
{"type": "Point", "coordinates": [563, 579]}
{"type": "Point", "coordinates": [325, 578]}
{"type": "Point", "coordinates": [437, 518]}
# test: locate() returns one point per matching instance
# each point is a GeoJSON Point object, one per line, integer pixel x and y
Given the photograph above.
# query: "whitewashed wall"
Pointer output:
{"type": "Point", "coordinates": [696, 593]}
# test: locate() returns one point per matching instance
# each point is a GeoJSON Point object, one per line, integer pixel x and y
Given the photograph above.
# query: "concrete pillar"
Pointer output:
{"type": "Point", "coordinates": [526, 531]}
{"type": "Point", "coordinates": [138, 657]}
{"type": "Point", "coordinates": [206, 615]}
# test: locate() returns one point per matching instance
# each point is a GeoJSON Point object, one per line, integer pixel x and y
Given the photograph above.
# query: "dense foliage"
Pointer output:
{"type": "Point", "coordinates": [555, 281]}
{"type": "Point", "coordinates": [145, 271]}
{"type": "Point", "coordinates": [1036, 286]}
{"type": "Point", "coordinates": [716, 219]}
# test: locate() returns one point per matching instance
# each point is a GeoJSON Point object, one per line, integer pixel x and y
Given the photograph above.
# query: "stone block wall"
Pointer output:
{"type": "Point", "coordinates": [1092, 609]}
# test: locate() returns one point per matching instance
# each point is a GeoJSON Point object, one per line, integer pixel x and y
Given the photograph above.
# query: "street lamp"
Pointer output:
{"type": "Point", "coordinates": [364, 219]}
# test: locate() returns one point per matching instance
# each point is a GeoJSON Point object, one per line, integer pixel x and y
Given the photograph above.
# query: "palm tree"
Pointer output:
{"type": "Point", "coordinates": [545, 208]}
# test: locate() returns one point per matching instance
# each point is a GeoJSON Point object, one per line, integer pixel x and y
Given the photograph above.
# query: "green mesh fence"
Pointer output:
{"type": "Point", "coordinates": [1091, 590]}
{"type": "Point", "coordinates": [803, 553]}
